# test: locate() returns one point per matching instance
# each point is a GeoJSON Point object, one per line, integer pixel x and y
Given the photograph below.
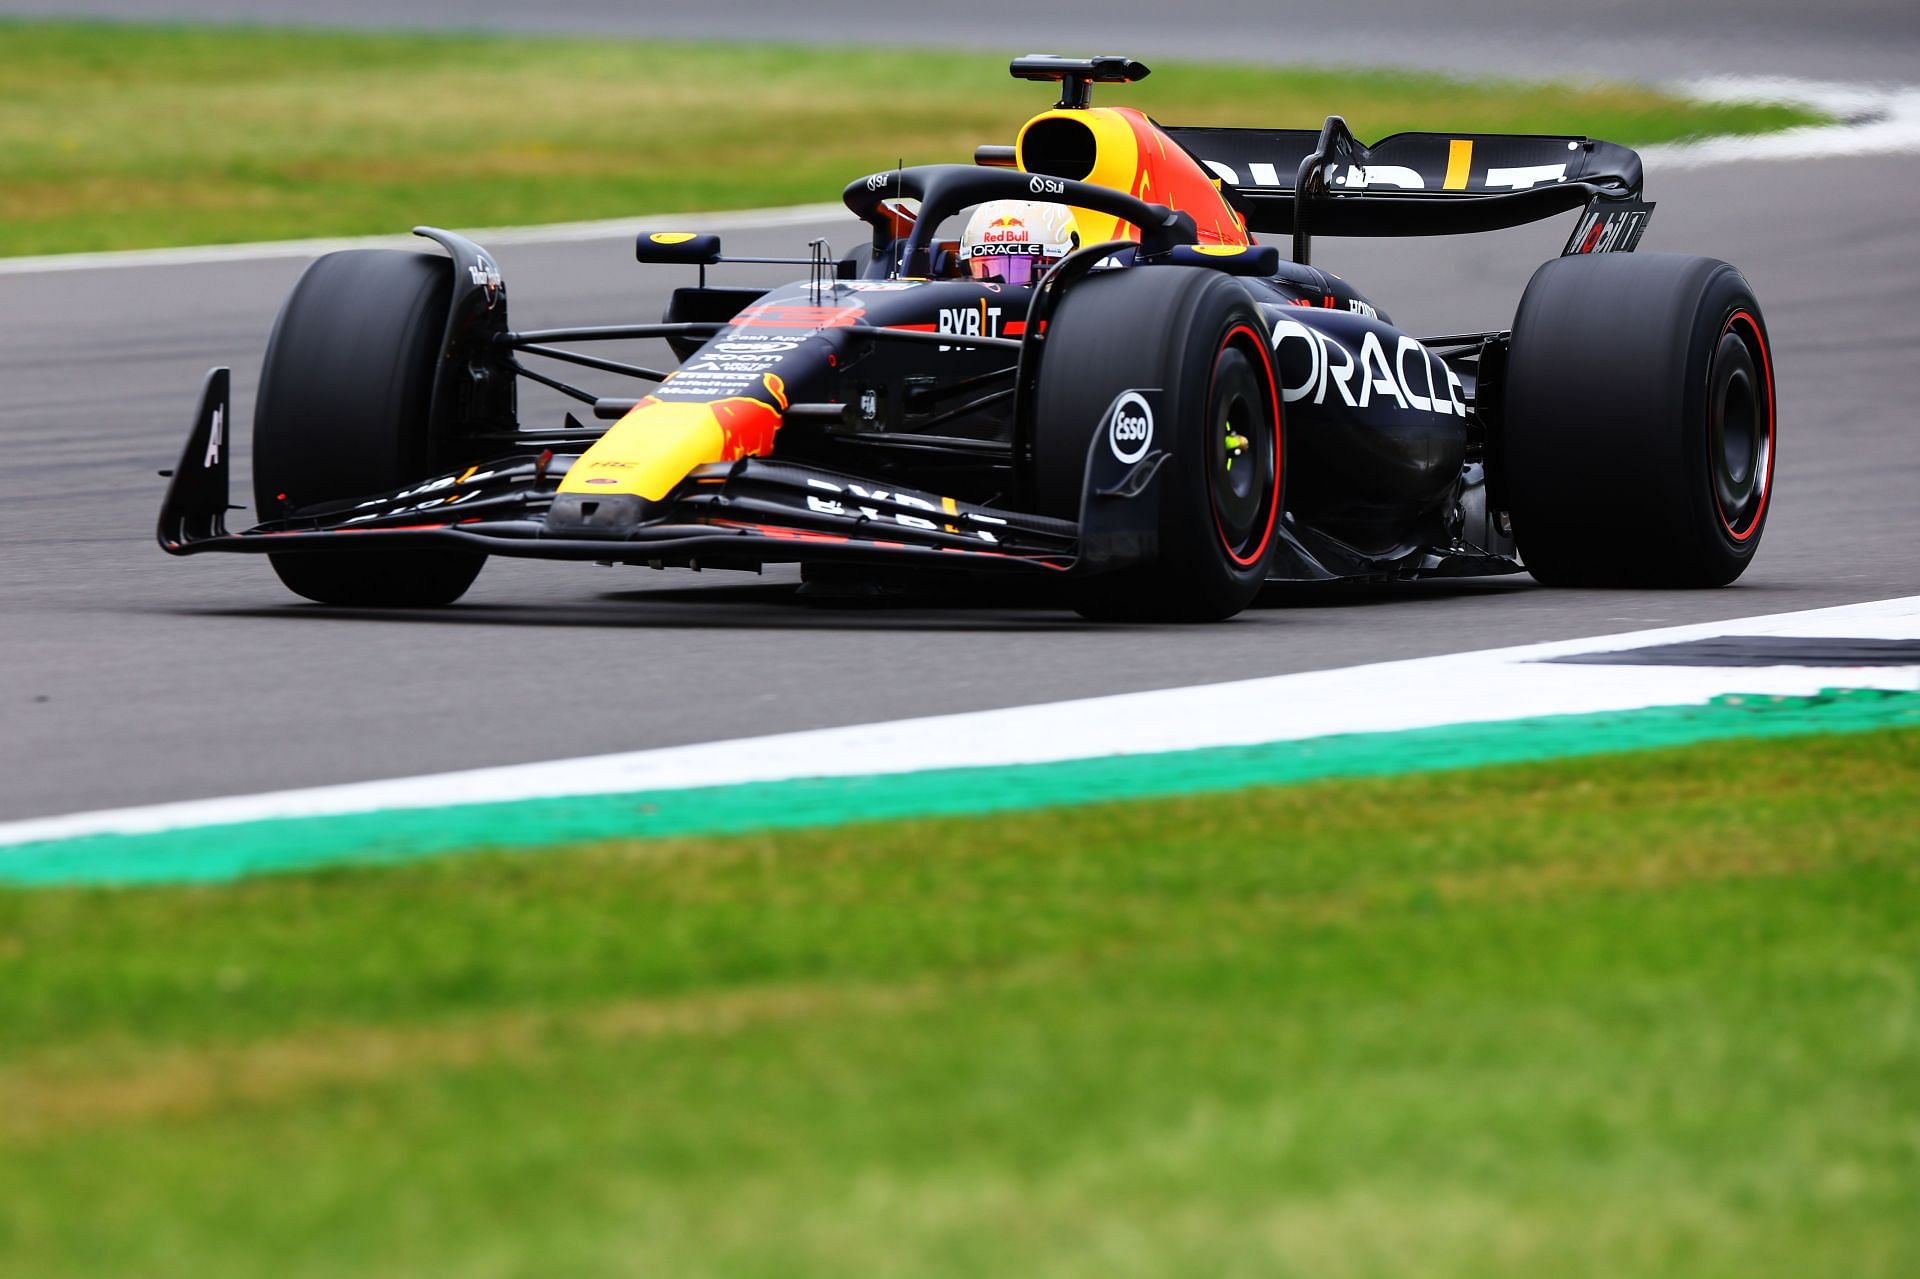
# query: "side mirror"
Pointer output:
{"type": "Point", "coordinates": [677, 248]}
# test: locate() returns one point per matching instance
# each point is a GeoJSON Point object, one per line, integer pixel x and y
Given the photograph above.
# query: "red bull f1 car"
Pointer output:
{"type": "Point", "coordinates": [1149, 396]}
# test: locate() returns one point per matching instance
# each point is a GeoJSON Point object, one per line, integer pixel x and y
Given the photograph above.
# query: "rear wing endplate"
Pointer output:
{"type": "Point", "coordinates": [1302, 182]}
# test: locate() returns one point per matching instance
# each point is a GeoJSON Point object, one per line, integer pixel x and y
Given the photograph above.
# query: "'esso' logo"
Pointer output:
{"type": "Point", "coordinates": [1130, 432]}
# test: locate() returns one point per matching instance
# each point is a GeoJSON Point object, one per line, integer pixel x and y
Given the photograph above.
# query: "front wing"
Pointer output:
{"type": "Point", "coordinates": [739, 514]}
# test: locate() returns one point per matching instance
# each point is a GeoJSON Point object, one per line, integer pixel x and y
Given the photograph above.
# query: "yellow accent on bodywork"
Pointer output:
{"type": "Point", "coordinates": [1221, 250]}
{"type": "Point", "coordinates": [1116, 164]}
{"type": "Point", "coordinates": [649, 451]}
{"type": "Point", "coordinates": [1459, 163]}
{"type": "Point", "coordinates": [671, 237]}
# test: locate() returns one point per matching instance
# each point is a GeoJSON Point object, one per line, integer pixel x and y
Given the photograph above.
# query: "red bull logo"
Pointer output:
{"type": "Point", "coordinates": [747, 425]}
{"type": "Point", "coordinates": [1005, 230]}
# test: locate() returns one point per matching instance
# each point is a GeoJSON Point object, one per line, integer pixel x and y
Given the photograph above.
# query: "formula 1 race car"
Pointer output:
{"type": "Point", "coordinates": [1105, 381]}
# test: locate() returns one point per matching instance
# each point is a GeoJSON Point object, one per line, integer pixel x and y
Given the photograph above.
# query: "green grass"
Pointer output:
{"type": "Point", "coordinates": [1656, 1014]}
{"type": "Point", "coordinates": [131, 136]}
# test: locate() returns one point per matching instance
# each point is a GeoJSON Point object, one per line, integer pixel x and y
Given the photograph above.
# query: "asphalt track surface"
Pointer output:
{"type": "Point", "coordinates": [127, 677]}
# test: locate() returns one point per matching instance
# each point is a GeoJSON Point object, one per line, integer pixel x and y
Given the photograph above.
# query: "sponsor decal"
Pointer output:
{"type": "Point", "coordinates": [1005, 249]}
{"type": "Point", "coordinates": [1004, 231]}
{"type": "Point", "coordinates": [845, 501]}
{"type": "Point", "coordinates": [752, 346]}
{"type": "Point", "coordinates": [694, 382]}
{"type": "Point", "coordinates": [1615, 228]}
{"type": "Point", "coordinates": [1526, 176]}
{"type": "Point", "coordinates": [395, 506]}
{"type": "Point", "coordinates": [1259, 174]}
{"type": "Point", "coordinates": [1359, 177]}
{"type": "Point", "coordinates": [704, 381]}
{"type": "Point", "coordinates": [1358, 307]}
{"type": "Point", "coordinates": [782, 315]}
{"type": "Point", "coordinates": [1130, 430]}
{"type": "Point", "coordinates": [724, 363]}
{"type": "Point", "coordinates": [970, 321]}
{"type": "Point", "coordinates": [213, 437]}
{"type": "Point", "coordinates": [878, 286]}
{"type": "Point", "coordinates": [1046, 186]}
{"type": "Point", "coordinates": [1312, 362]}
{"type": "Point", "coordinates": [485, 273]}
{"type": "Point", "coordinates": [435, 491]}
{"type": "Point", "coordinates": [432, 486]}
{"type": "Point", "coordinates": [600, 479]}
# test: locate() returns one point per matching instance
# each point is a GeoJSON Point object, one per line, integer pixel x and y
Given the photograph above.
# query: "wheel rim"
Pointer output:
{"type": "Point", "coordinates": [1242, 462]}
{"type": "Point", "coordinates": [1740, 426]}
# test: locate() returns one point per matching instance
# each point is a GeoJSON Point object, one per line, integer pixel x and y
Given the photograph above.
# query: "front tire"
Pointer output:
{"type": "Point", "coordinates": [342, 413]}
{"type": "Point", "coordinates": [1639, 438]}
{"type": "Point", "coordinates": [1197, 336]}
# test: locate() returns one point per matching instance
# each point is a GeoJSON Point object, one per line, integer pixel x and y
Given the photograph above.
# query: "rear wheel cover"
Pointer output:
{"type": "Point", "coordinates": [1639, 435]}
{"type": "Point", "coordinates": [1740, 423]}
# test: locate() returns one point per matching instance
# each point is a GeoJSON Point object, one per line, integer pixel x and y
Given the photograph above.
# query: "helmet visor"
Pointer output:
{"type": "Point", "coordinates": [1017, 269]}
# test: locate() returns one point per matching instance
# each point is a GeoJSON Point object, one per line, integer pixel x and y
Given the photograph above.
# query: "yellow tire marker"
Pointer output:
{"type": "Point", "coordinates": [1459, 163]}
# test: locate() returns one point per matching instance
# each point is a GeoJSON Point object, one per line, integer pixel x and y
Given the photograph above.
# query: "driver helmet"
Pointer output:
{"type": "Point", "coordinates": [1015, 241]}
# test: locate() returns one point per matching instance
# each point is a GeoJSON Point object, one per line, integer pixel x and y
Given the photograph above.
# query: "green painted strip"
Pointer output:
{"type": "Point", "coordinates": [217, 853]}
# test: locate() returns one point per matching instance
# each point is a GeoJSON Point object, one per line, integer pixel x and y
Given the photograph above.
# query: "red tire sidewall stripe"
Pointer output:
{"type": "Point", "coordinates": [1766, 372]}
{"type": "Point", "coordinates": [1279, 453]}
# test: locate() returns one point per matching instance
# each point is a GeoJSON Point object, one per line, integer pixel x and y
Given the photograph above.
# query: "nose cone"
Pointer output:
{"type": "Point", "coordinates": [649, 451]}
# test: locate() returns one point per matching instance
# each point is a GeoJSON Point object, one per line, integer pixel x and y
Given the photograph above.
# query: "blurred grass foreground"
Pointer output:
{"type": "Point", "coordinates": [119, 136]}
{"type": "Point", "coordinates": [1643, 1015]}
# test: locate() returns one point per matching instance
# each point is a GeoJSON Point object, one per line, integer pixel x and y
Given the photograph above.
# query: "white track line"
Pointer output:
{"type": "Point", "coordinates": [553, 233]}
{"type": "Point", "coordinates": [1423, 692]}
{"type": "Point", "coordinates": [1875, 120]}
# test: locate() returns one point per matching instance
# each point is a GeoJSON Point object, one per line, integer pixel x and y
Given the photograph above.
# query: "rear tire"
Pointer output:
{"type": "Point", "coordinates": [1639, 441]}
{"type": "Point", "coordinates": [1198, 336]}
{"type": "Point", "coordinates": [342, 413]}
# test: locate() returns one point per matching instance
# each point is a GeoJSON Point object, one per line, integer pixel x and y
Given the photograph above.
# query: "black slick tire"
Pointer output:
{"type": "Point", "coordinates": [343, 413]}
{"type": "Point", "coordinates": [1197, 336]}
{"type": "Point", "coordinates": [1639, 438]}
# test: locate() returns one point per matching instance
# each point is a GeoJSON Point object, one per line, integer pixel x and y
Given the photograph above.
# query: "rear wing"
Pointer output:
{"type": "Point", "coordinates": [1303, 182]}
